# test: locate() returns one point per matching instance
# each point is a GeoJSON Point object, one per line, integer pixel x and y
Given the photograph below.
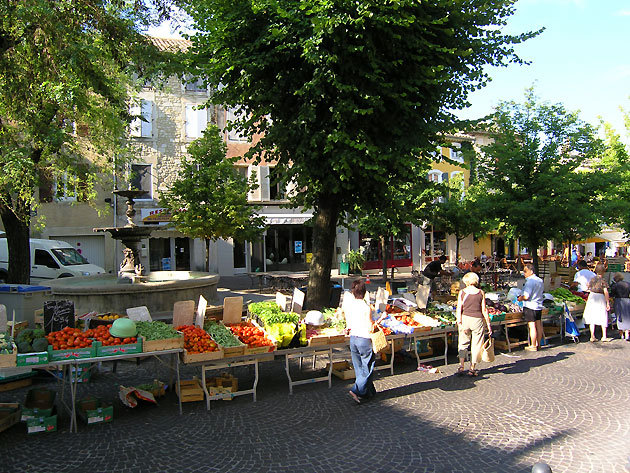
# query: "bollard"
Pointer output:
{"type": "Point", "coordinates": [541, 467]}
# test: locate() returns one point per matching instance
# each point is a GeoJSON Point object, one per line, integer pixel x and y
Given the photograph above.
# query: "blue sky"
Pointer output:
{"type": "Point", "coordinates": [582, 59]}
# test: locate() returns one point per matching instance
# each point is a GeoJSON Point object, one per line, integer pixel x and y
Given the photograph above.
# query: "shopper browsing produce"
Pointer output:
{"type": "Point", "coordinates": [472, 316]}
{"type": "Point", "coordinates": [620, 291]}
{"type": "Point", "coordinates": [532, 298]}
{"type": "Point", "coordinates": [597, 304]}
{"type": "Point", "coordinates": [582, 277]}
{"type": "Point", "coordinates": [359, 322]}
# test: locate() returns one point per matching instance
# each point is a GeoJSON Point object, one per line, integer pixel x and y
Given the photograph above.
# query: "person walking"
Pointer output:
{"type": "Point", "coordinates": [597, 304]}
{"type": "Point", "coordinates": [532, 297]}
{"type": "Point", "coordinates": [472, 316]}
{"type": "Point", "coordinates": [359, 322]}
{"type": "Point", "coordinates": [582, 277]}
{"type": "Point", "coordinates": [620, 292]}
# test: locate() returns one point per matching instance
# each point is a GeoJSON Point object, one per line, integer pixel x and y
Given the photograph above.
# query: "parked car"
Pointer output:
{"type": "Point", "coordinates": [50, 259]}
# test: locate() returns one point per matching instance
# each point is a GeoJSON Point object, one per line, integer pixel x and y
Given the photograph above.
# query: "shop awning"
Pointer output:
{"type": "Point", "coordinates": [287, 219]}
{"type": "Point", "coordinates": [595, 239]}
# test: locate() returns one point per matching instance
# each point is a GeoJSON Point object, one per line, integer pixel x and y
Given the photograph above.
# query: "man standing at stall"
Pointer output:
{"type": "Point", "coordinates": [582, 277]}
{"type": "Point", "coordinates": [532, 297]}
{"type": "Point", "coordinates": [433, 270]}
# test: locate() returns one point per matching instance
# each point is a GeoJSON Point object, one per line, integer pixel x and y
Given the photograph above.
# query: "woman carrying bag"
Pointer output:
{"type": "Point", "coordinates": [359, 322]}
{"type": "Point", "coordinates": [472, 316]}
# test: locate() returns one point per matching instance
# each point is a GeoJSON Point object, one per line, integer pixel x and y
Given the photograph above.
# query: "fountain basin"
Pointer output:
{"type": "Point", "coordinates": [160, 290]}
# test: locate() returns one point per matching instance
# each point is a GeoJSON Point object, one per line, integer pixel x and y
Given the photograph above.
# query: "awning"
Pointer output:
{"type": "Point", "coordinates": [595, 239]}
{"type": "Point", "coordinates": [286, 219]}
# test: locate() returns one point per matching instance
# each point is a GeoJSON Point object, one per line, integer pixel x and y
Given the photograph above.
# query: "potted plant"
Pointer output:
{"type": "Point", "coordinates": [355, 261]}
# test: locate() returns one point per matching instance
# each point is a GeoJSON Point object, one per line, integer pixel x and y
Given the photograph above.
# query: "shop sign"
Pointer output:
{"type": "Point", "coordinates": [298, 247]}
{"type": "Point", "coordinates": [153, 216]}
{"type": "Point", "coordinates": [309, 257]}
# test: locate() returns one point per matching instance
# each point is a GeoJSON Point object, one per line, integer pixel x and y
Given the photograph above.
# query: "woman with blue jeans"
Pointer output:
{"type": "Point", "coordinates": [359, 322]}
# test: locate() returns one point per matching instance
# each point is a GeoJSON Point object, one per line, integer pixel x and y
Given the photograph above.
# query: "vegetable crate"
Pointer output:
{"type": "Point", "coordinates": [514, 316]}
{"type": "Point", "coordinates": [164, 344]}
{"type": "Point", "coordinates": [317, 340]}
{"type": "Point", "coordinates": [10, 414]}
{"type": "Point", "coordinates": [225, 385]}
{"type": "Point", "coordinates": [9, 360]}
{"type": "Point", "coordinates": [198, 357]}
{"type": "Point", "coordinates": [41, 424]}
{"type": "Point", "coordinates": [113, 350]}
{"type": "Point", "coordinates": [94, 411]}
{"type": "Point", "coordinates": [39, 402]}
{"type": "Point", "coordinates": [32, 359]}
{"type": "Point", "coordinates": [497, 317]}
{"type": "Point", "coordinates": [342, 370]}
{"type": "Point", "coordinates": [502, 344]}
{"type": "Point", "coordinates": [80, 374]}
{"type": "Point", "coordinates": [190, 390]}
{"type": "Point", "coordinates": [72, 353]}
{"type": "Point", "coordinates": [254, 350]}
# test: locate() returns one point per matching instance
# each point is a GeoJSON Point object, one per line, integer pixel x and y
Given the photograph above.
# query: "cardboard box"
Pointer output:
{"type": "Point", "coordinates": [41, 424]}
{"type": "Point", "coordinates": [113, 350]}
{"type": "Point", "coordinates": [32, 359]}
{"type": "Point", "coordinates": [190, 390]}
{"type": "Point", "coordinates": [224, 385]}
{"type": "Point", "coordinates": [39, 402]}
{"type": "Point", "coordinates": [72, 353]}
{"type": "Point", "coordinates": [342, 370]}
{"type": "Point", "coordinates": [80, 374]}
{"type": "Point", "coordinates": [10, 414]}
{"type": "Point", "coordinates": [94, 411]}
{"type": "Point", "coordinates": [9, 360]}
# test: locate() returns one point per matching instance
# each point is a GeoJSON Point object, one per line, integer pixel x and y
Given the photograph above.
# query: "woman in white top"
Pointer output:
{"type": "Point", "coordinates": [359, 321]}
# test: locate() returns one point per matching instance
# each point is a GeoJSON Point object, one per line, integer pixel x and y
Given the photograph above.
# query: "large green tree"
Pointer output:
{"type": "Point", "coordinates": [539, 171]}
{"type": "Point", "coordinates": [346, 94]}
{"type": "Point", "coordinates": [65, 68]}
{"type": "Point", "coordinates": [209, 198]}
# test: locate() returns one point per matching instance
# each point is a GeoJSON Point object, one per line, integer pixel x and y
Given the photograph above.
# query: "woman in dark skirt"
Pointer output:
{"type": "Point", "coordinates": [620, 291]}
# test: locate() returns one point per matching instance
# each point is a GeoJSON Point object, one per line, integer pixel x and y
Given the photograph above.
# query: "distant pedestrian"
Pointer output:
{"type": "Point", "coordinates": [532, 297]}
{"type": "Point", "coordinates": [472, 317]}
{"type": "Point", "coordinates": [597, 304]}
{"type": "Point", "coordinates": [359, 321]}
{"type": "Point", "coordinates": [620, 292]}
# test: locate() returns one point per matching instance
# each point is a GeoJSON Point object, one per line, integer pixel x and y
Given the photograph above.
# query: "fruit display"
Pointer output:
{"type": "Point", "coordinates": [220, 334]}
{"type": "Point", "coordinates": [156, 330]}
{"type": "Point", "coordinates": [406, 319]}
{"type": "Point", "coordinates": [110, 316]}
{"type": "Point", "coordinates": [197, 340]}
{"type": "Point", "coordinates": [101, 334]}
{"type": "Point", "coordinates": [69, 338]}
{"type": "Point", "coordinates": [251, 335]}
{"type": "Point", "coordinates": [6, 344]}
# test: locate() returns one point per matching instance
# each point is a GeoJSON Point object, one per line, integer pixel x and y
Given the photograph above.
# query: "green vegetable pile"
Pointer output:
{"type": "Point", "coordinates": [156, 330]}
{"type": "Point", "coordinates": [334, 318]}
{"type": "Point", "coordinates": [269, 313]}
{"type": "Point", "coordinates": [221, 334]}
{"type": "Point", "coordinates": [562, 294]}
{"type": "Point", "coordinates": [6, 344]}
{"type": "Point", "coordinates": [31, 340]}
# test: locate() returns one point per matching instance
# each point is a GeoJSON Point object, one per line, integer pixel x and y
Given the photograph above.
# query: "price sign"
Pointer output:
{"type": "Point", "coordinates": [58, 315]}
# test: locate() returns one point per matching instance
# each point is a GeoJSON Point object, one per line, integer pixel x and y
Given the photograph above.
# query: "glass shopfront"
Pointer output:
{"type": "Point", "coordinates": [287, 247]}
{"type": "Point", "coordinates": [398, 251]}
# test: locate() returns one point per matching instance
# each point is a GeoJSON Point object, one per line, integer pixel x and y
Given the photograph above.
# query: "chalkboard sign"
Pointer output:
{"type": "Point", "coordinates": [58, 315]}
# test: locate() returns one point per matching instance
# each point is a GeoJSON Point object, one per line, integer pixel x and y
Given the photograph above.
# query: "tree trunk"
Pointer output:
{"type": "Point", "coordinates": [324, 233]}
{"type": "Point", "coordinates": [384, 254]}
{"type": "Point", "coordinates": [17, 228]}
{"type": "Point", "coordinates": [534, 252]}
{"type": "Point", "coordinates": [457, 241]}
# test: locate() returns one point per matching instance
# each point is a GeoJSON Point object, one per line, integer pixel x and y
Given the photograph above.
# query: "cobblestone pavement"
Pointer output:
{"type": "Point", "coordinates": [566, 405]}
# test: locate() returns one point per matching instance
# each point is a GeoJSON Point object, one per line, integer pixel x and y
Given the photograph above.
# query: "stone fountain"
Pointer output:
{"type": "Point", "coordinates": [131, 287]}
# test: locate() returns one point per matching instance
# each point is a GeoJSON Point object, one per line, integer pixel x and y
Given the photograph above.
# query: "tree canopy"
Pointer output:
{"type": "Point", "coordinates": [65, 71]}
{"type": "Point", "coordinates": [346, 94]}
{"type": "Point", "coordinates": [540, 172]}
{"type": "Point", "coordinates": [209, 199]}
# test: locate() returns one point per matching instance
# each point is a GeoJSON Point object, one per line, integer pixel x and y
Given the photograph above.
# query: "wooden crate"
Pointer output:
{"type": "Point", "coordinates": [551, 330]}
{"type": "Point", "coordinates": [9, 360]}
{"type": "Point", "coordinates": [502, 344]}
{"type": "Point", "coordinates": [190, 390]}
{"type": "Point", "coordinates": [10, 414]}
{"type": "Point", "coordinates": [318, 340]}
{"type": "Point", "coordinates": [342, 370]}
{"type": "Point", "coordinates": [17, 384]}
{"type": "Point", "coordinates": [164, 344]}
{"type": "Point", "coordinates": [336, 339]}
{"type": "Point", "coordinates": [199, 357]}
{"type": "Point", "coordinates": [514, 316]}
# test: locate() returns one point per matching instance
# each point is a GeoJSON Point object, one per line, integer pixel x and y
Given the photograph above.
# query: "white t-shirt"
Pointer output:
{"type": "Point", "coordinates": [583, 276]}
{"type": "Point", "coordinates": [358, 316]}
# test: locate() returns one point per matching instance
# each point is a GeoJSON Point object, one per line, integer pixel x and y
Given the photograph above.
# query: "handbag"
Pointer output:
{"type": "Point", "coordinates": [379, 342]}
{"type": "Point", "coordinates": [487, 351]}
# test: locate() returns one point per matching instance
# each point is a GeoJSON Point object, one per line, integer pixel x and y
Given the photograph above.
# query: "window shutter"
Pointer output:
{"type": "Point", "coordinates": [444, 177]}
{"type": "Point", "coordinates": [255, 195]}
{"type": "Point", "coordinates": [46, 191]}
{"type": "Point", "coordinates": [147, 114]}
{"type": "Point", "coordinates": [191, 121]}
{"type": "Point", "coordinates": [264, 183]}
{"type": "Point", "coordinates": [202, 121]}
{"type": "Point", "coordinates": [135, 128]}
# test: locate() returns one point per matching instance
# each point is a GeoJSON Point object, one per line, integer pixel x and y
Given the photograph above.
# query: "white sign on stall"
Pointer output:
{"type": "Point", "coordinates": [201, 311]}
{"type": "Point", "coordinates": [139, 314]}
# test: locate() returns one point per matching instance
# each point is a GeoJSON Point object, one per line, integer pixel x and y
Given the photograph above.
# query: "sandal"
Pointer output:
{"type": "Point", "coordinates": [473, 373]}
{"type": "Point", "coordinates": [460, 371]}
{"type": "Point", "coordinates": [593, 340]}
{"type": "Point", "coordinates": [354, 397]}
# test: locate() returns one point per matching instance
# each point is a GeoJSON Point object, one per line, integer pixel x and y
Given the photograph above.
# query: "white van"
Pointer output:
{"type": "Point", "coordinates": [50, 259]}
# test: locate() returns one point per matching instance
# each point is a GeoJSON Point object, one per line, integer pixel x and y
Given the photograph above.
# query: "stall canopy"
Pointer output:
{"type": "Point", "coordinates": [595, 239]}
